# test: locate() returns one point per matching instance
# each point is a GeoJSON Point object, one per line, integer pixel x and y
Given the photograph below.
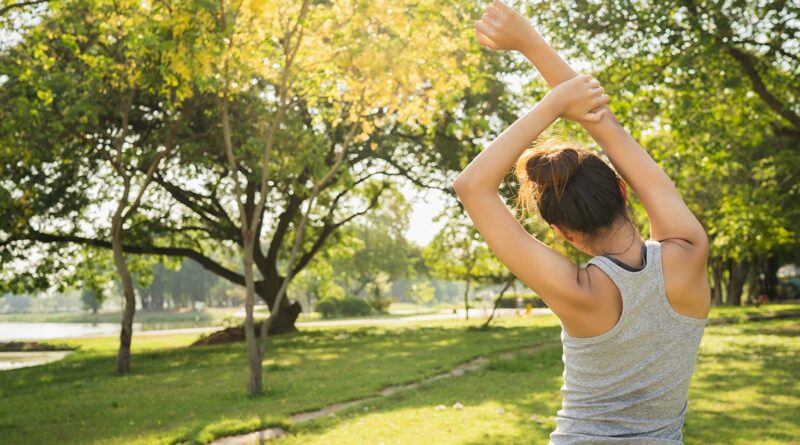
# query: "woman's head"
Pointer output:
{"type": "Point", "coordinates": [572, 189]}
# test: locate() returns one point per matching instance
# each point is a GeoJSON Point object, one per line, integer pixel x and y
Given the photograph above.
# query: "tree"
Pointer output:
{"type": "Point", "coordinates": [101, 46]}
{"type": "Point", "coordinates": [711, 88]}
{"type": "Point", "coordinates": [375, 244]}
{"type": "Point", "coordinates": [426, 119]}
{"type": "Point", "coordinates": [457, 252]}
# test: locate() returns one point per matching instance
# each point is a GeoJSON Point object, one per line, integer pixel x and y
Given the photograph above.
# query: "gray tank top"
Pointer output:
{"type": "Point", "coordinates": [630, 384]}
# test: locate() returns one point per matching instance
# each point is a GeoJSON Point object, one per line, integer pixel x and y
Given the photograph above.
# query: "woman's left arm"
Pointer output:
{"type": "Point", "coordinates": [555, 278]}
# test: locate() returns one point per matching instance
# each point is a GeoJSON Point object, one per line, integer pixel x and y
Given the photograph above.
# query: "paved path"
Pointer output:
{"type": "Point", "coordinates": [444, 315]}
{"type": "Point", "coordinates": [15, 331]}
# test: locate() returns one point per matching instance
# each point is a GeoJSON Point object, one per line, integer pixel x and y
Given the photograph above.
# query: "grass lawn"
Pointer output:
{"type": "Point", "coordinates": [744, 391]}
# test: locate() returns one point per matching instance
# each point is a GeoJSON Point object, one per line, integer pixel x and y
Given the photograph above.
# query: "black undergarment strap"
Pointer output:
{"type": "Point", "coordinates": [627, 267]}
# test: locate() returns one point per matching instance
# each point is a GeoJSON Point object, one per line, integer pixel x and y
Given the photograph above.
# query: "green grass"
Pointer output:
{"type": "Point", "coordinates": [193, 395]}
{"type": "Point", "coordinates": [742, 312]}
{"type": "Point", "coordinates": [744, 390]}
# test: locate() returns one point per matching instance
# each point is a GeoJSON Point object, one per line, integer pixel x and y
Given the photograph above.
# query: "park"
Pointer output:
{"type": "Point", "coordinates": [296, 222]}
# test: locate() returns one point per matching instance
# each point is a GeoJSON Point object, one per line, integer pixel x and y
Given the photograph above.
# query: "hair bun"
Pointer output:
{"type": "Point", "coordinates": [553, 167]}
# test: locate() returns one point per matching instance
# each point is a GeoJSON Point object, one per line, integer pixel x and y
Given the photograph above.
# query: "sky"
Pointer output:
{"type": "Point", "coordinates": [425, 205]}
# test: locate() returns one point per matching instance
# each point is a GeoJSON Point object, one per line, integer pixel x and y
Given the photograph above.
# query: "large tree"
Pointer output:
{"type": "Point", "coordinates": [711, 87]}
{"type": "Point", "coordinates": [428, 105]}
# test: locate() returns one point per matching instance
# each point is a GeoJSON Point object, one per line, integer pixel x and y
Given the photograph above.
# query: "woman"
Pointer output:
{"type": "Point", "coordinates": [632, 319]}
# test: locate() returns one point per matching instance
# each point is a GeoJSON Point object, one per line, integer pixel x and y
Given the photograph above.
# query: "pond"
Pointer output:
{"type": "Point", "coordinates": [27, 331]}
{"type": "Point", "coordinates": [14, 360]}
{"type": "Point", "coordinates": [19, 330]}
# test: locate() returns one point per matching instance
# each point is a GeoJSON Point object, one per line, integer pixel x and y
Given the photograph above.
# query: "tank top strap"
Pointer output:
{"type": "Point", "coordinates": [630, 280]}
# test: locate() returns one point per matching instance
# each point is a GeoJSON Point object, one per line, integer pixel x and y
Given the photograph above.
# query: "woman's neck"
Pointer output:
{"type": "Point", "coordinates": [623, 243]}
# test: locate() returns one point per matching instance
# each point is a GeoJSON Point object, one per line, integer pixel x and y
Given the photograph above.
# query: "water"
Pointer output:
{"type": "Point", "coordinates": [14, 360]}
{"type": "Point", "coordinates": [27, 331]}
{"type": "Point", "coordinates": [18, 330]}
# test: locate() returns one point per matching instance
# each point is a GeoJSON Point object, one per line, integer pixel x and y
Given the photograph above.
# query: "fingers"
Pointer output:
{"type": "Point", "coordinates": [491, 21]}
{"type": "Point", "coordinates": [502, 7]}
{"type": "Point", "coordinates": [602, 100]}
{"type": "Point", "coordinates": [597, 91]}
{"type": "Point", "coordinates": [493, 12]}
{"type": "Point", "coordinates": [595, 116]}
{"type": "Point", "coordinates": [485, 41]}
{"type": "Point", "coordinates": [484, 29]}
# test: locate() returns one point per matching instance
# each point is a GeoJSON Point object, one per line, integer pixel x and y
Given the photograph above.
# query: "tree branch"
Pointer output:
{"type": "Point", "coordinates": [205, 261]}
{"type": "Point", "coordinates": [7, 8]}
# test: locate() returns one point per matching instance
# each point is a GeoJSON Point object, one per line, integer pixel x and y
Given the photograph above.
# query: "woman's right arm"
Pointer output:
{"type": "Point", "coordinates": [669, 216]}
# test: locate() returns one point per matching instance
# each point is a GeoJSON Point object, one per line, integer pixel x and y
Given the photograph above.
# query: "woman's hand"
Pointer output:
{"type": "Point", "coordinates": [580, 99]}
{"type": "Point", "coordinates": [503, 28]}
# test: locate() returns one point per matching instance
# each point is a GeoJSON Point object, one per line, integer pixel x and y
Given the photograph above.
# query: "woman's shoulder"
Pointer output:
{"type": "Point", "coordinates": [685, 272]}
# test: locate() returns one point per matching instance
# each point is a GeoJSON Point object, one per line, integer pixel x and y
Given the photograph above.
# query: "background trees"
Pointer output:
{"type": "Point", "coordinates": [711, 88]}
{"type": "Point", "coordinates": [144, 126]}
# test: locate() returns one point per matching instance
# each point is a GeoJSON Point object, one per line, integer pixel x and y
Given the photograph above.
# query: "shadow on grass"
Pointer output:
{"type": "Point", "coordinates": [744, 391]}
{"type": "Point", "coordinates": [747, 391]}
{"type": "Point", "coordinates": [523, 386]}
{"type": "Point", "coordinates": [189, 394]}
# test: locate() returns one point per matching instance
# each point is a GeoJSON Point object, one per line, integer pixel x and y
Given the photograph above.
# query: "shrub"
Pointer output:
{"type": "Point", "coordinates": [510, 300]}
{"type": "Point", "coordinates": [342, 307]}
{"type": "Point", "coordinates": [351, 306]}
{"type": "Point", "coordinates": [328, 307]}
{"type": "Point", "coordinates": [379, 304]}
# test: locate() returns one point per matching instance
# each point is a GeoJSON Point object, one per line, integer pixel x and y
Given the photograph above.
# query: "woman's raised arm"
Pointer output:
{"type": "Point", "coordinates": [556, 279]}
{"type": "Point", "coordinates": [504, 28]}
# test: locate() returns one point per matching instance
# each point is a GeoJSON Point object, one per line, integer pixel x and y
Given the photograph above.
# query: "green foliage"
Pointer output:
{"type": "Point", "coordinates": [422, 293]}
{"type": "Point", "coordinates": [343, 307]}
{"type": "Point", "coordinates": [379, 303]}
{"type": "Point", "coordinates": [351, 307]}
{"type": "Point", "coordinates": [509, 300]}
{"type": "Point", "coordinates": [708, 87]}
{"type": "Point", "coordinates": [459, 253]}
{"type": "Point", "coordinates": [413, 106]}
{"type": "Point", "coordinates": [328, 307]}
{"type": "Point", "coordinates": [93, 299]}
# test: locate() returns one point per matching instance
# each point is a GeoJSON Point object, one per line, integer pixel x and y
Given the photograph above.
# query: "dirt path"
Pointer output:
{"type": "Point", "coordinates": [473, 365]}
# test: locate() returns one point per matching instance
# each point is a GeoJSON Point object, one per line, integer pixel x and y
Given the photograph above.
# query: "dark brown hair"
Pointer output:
{"type": "Point", "coordinates": [569, 186]}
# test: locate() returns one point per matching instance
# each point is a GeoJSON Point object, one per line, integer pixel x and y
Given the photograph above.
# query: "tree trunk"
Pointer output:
{"type": "Point", "coordinates": [772, 278]}
{"type": "Point", "coordinates": [129, 307]}
{"type": "Point", "coordinates": [466, 298]}
{"type": "Point", "coordinates": [253, 355]}
{"type": "Point", "coordinates": [287, 314]}
{"type": "Point", "coordinates": [157, 301]}
{"type": "Point", "coordinates": [360, 288]}
{"type": "Point", "coordinates": [497, 301]}
{"type": "Point", "coordinates": [736, 279]}
{"type": "Point", "coordinates": [718, 279]}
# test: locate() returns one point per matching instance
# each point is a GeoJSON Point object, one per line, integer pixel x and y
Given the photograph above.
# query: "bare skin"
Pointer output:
{"type": "Point", "coordinates": [585, 299]}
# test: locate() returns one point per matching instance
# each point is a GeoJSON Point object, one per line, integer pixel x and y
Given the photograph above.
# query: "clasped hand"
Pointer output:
{"type": "Point", "coordinates": [581, 98]}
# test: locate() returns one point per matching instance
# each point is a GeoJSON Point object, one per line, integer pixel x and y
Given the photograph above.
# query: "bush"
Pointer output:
{"type": "Point", "coordinates": [351, 306]}
{"type": "Point", "coordinates": [328, 307]}
{"type": "Point", "coordinates": [379, 304]}
{"type": "Point", "coordinates": [510, 300]}
{"type": "Point", "coordinates": [342, 307]}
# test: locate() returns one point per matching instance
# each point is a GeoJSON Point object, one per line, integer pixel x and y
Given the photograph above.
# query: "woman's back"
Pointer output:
{"type": "Point", "coordinates": [631, 382]}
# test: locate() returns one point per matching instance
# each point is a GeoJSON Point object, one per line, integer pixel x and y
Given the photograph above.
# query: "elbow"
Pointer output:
{"type": "Point", "coordinates": [700, 239]}
{"type": "Point", "coordinates": [466, 185]}
{"type": "Point", "coordinates": [461, 184]}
